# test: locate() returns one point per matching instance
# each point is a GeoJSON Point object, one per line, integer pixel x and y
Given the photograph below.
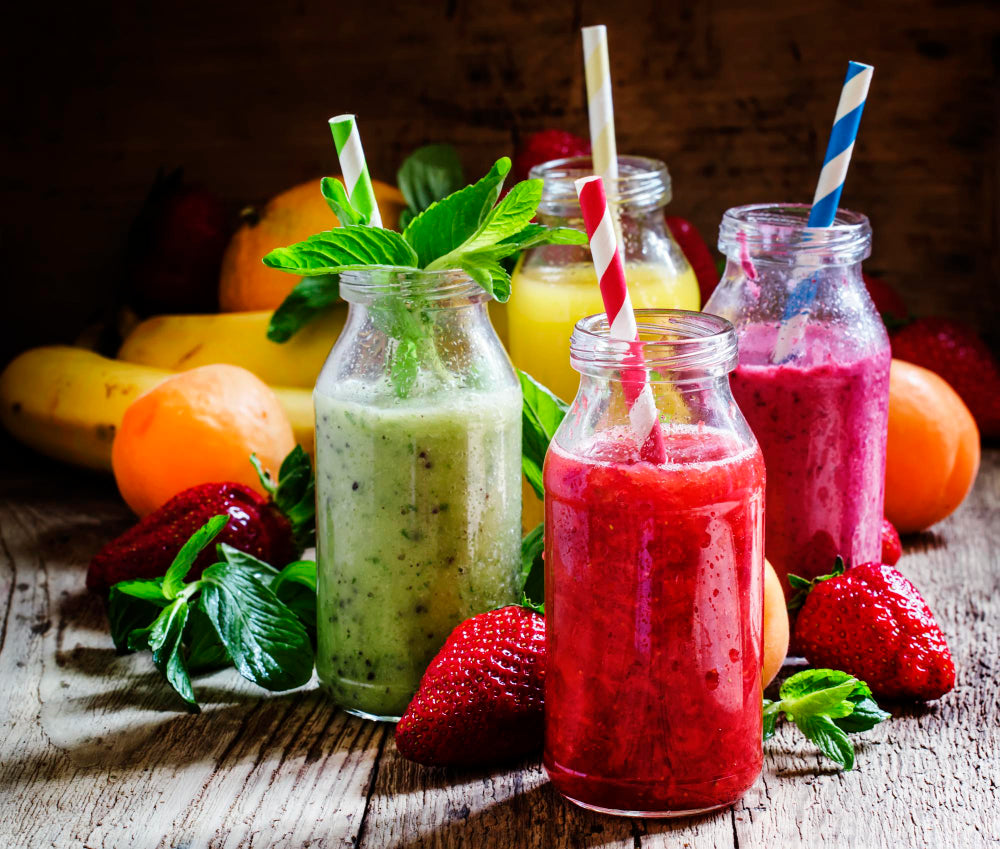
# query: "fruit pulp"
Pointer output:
{"type": "Point", "coordinates": [418, 529]}
{"type": "Point", "coordinates": [546, 303]}
{"type": "Point", "coordinates": [821, 419]}
{"type": "Point", "coordinates": [654, 611]}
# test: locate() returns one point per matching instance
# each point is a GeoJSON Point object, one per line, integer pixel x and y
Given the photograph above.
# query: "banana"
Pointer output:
{"type": "Point", "coordinates": [68, 402]}
{"type": "Point", "coordinates": [178, 342]}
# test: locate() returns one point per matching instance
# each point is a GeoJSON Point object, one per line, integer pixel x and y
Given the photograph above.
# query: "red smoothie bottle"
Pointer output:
{"type": "Point", "coordinates": [813, 379]}
{"type": "Point", "coordinates": [654, 580]}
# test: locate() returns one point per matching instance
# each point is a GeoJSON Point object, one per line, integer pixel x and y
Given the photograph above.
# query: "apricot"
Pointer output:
{"type": "Point", "coordinates": [775, 624]}
{"type": "Point", "coordinates": [245, 283]}
{"type": "Point", "coordinates": [932, 453]}
{"type": "Point", "coordinates": [199, 426]}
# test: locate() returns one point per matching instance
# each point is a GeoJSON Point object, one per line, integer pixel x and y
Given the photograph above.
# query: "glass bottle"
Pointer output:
{"type": "Point", "coordinates": [418, 481]}
{"type": "Point", "coordinates": [654, 579]}
{"type": "Point", "coordinates": [555, 285]}
{"type": "Point", "coordinates": [813, 379]}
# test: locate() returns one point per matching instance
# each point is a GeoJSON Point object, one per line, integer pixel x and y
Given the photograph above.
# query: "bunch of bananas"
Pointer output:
{"type": "Point", "coordinates": [67, 402]}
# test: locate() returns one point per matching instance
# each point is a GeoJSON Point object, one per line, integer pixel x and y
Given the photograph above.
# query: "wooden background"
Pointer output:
{"type": "Point", "coordinates": [735, 96]}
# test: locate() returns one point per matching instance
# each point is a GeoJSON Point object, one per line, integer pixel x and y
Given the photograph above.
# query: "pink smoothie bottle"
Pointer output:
{"type": "Point", "coordinates": [654, 579]}
{"type": "Point", "coordinates": [812, 379]}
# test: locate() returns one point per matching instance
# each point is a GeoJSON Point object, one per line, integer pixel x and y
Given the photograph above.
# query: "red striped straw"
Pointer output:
{"type": "Point", "coordinates": [642, 412]}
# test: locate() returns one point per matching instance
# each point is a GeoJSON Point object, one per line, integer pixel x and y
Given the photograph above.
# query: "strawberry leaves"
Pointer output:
{"type": "Point", "coordinates": [241, 612]}
{"type": "Point", "coordinates": [803, 586]}
{"type": "Point", "coordinates": [826, 705]}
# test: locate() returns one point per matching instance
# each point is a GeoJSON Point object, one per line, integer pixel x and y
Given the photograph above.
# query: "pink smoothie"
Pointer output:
{"type": "Point", "coordinates": [821, 423]}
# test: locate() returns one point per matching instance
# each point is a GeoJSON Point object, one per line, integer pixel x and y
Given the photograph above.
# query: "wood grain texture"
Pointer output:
{"type": "Point", "coordinates": [736, 97]}
{"type": "Point", "coordinates": [94, 751]}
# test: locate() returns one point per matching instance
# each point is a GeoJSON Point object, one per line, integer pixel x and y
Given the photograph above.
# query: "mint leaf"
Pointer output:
{"type": "Point", "coordinates": [427, 175]}
{"type": "Point", "coordinates": [533, 567]}
{"type": "Point", "coordinates": [205, 651]}
{"type": "Point", "coordinates": [310, 297]}
{"type": "Point", "coordinates": [296, 587]}
{"type": "Point", "coordinates": [295, 496]}
{"type": "Point", "coordinates": [445, 225]}
{"type": "Point", "coordinates": [128, 612]}
{"type": "Point", "coordinates": [506, 219]}
{"type": "Point", "coordinates": [149, 589]}
{"type": "Point", "coordinates": [263, 572]}
{"type": "Point", "coordinates": [340, 202]}
{"type": "Point", "coordinates": [541, 414]}
{"type": "Point", "coordinates": [164, 639]}
{"type": "Point", "coordinates": [822, 704]}
{"type": "Point", "coordinates": [266, 641]}
{"type": "Point", "coordinates": [348, 247]}
{"type": "Point", "coordinates": [173, 581]}
{"type": "Point", "coordinates": [831, 740]}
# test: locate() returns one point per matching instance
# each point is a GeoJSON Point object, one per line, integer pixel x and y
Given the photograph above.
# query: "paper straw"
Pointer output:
{"type": "Point", "coordinates": [841, 145]}
{"type": "Point", "coordinates": [827, 197]}
{"type": "Point", "coordinates": [353, 167]}
{"type": "Point", "coordinates": [643, 415]}
{"type": "Point", "coordinates": [597, 70]}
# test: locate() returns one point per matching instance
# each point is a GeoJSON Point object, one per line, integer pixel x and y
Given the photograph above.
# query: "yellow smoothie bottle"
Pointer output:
{"type": "Point", "coordinates": [555, 285]}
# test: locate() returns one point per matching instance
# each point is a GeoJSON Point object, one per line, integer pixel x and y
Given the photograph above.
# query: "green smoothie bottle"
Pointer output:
{"type": "Point", "coordinates": [418, 481]}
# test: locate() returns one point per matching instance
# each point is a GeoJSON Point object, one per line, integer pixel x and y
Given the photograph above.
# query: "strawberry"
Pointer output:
{"type": "Point", "coordinates": [481, 698]}
{"type": "Point", "coordinates": [545, 146]}
{"type": "Point", "coordinates": [892, 548]}
{"type": "Point", "coordinates": [697, 253]}
{"type": "Point", "coordinates": [274, 528]}
{"type": "Point", "coordinates": [871, 622]}
{"type": "Point", "coordinates": [887, 301]}
{"type": "Point", "coordinates": [954, 351]}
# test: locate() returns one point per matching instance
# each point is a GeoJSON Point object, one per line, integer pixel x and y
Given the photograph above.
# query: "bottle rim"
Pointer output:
{"type": "Point", "coordinates": [449, 287]}
{"type": "Point", "coordinates": [780, 233]}
{"type": "Point", "coordinates": [676, 346]}
{"type": "Point", "coordinates": [642, 183]}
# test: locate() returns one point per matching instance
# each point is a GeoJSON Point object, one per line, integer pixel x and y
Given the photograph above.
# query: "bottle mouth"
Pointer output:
{"type": "Point", "coordinates": [642, 183]}
{"type": "Point", "coordinates": [780, 233]}
{"type": "Point", "coordinates": [676, 346]}
{"type": "Point", "coordinates": [430, 288]}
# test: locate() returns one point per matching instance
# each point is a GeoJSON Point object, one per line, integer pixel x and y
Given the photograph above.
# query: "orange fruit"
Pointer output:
{"type": "Point", "coordinates": [199, 426]}
{"type": "Point", "coordinates": [775, 624]}
{"type": "Point", "coordinates": [245, 283]}
{"type": "Point", "coordinates": [932, 454]}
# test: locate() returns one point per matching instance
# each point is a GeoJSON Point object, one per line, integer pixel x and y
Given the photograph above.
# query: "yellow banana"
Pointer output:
{"type": "Point", "coordinates": [68, 402]}
{"type": "Point", "coordinates": [178, 342]}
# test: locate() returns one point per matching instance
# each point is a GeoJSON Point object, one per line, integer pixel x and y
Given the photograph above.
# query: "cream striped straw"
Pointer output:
{"type": "Point", "coordinates": [353, 167]}
{"type": "Point", "coordinates": [597, 70]}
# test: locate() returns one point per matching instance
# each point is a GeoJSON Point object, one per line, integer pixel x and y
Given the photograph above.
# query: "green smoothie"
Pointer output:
{"type": "Point", "coordinates": [418, 528]}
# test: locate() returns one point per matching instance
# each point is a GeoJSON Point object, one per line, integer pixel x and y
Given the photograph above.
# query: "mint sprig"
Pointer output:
{"type": "Point", "coordinates": [541, 413]}
{"type": "Point", "coordinates": [428, 174]}
{"type": "Point", "coordinates": [826, 705]}
{"type": "Point", "coordinates": [468, 230]}
{"type": "Point", "coordinates": [241, 612]}
{"type": "Point", "coordinates": [533, 569]}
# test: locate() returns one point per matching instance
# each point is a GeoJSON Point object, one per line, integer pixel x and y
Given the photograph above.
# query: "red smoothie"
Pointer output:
{"type": "Point", "coordinates": [654, 597]}
{"type": "Point", "coordinates": [821, 423]}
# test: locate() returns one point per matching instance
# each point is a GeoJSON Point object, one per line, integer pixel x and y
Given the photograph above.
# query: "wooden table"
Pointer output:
{"type": "Point", "coordinates": [95, 754]}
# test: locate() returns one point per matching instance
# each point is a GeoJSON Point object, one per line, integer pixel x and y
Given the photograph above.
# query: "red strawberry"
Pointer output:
{"type": "Point", "coordinates": [481, 699]}
{"type": "Point", "coordinates": [887, 301]}
{"type": "Point", "coordinates": [697, 253]}
{"type": "Point", "coordinates": [954, 351]}
{"type": "Point", "coordinates": [274, 529]}
{"type": "Point", "coordinates": [892, 548]}
{"type": "Point", "coordinates": [870, 621]}
{"type": "Point", "coordinates": [545, 146]}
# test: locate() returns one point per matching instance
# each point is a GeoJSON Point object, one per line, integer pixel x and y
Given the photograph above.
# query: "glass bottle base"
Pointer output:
{"type": "Point", "coordinates": [649, 815]}
{"type": "Point", "coordinates": [372, 716]}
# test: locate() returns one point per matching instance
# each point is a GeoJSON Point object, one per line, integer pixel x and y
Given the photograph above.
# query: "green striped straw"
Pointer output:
{"type": "Point", "coordinates": [354, 168]}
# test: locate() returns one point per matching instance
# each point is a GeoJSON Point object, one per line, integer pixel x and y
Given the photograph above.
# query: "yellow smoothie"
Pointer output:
{"type": "Point", "coordinates": [545, 304]}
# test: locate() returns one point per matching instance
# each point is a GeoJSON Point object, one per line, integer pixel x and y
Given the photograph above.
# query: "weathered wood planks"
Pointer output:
{"type": "Point", "coordinates": [93, 752]}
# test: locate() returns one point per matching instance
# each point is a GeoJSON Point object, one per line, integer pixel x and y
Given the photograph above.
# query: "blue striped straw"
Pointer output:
{"type": "Point", "coordinates": [841, 146]}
